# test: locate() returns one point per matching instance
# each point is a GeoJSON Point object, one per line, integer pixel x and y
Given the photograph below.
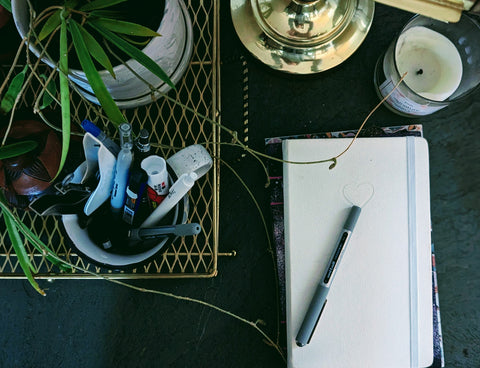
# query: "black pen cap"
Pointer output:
{"type": "Point", "coordinates": [143, 141]}
{"type": "Point", "coordinates": [352, 218]}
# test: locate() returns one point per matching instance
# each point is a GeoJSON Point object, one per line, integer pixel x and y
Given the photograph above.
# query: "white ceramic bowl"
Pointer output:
{"type": "Point", "coordinates": [86, 247]}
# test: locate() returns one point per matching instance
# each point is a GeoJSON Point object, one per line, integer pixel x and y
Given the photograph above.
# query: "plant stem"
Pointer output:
{"type": "Point", "coordinates": [201, 302]}
{"type": "Point", "coordinates": [371, 113]}
{"type": "Point", "coordinates": [269, 244]}
{"type": "Point", "coordinates": [151, 291]}
{"type": "Point", "coordinates": [25, 84]}
{"type": "Point", "coordinates": [38, 19]}
{"type": "Point", "coordinates": [14, 64]}
{"type": "Point", "coordinates": [12, 113]}
{"type": "Point", "coordinates": [44, 84]}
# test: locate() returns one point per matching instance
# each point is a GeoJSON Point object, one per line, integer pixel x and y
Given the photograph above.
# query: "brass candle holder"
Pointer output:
{"type": "Point", "coordinates": [299, 36]}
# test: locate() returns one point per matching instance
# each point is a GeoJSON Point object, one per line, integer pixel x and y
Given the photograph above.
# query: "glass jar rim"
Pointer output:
{"type": "Point", "coordinates": [464, 18]}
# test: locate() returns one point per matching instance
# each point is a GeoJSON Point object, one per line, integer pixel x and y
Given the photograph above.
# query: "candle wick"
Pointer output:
{"type": "Point", "coordinates": [419, 71]}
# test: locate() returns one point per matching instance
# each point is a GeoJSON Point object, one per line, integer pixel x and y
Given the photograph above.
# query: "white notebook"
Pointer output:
{"type": "Point", "coordinates": [379, 309]}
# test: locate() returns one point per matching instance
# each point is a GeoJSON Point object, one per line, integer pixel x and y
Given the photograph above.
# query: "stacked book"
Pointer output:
{"type": "Point", "coordinates": [379, 311]}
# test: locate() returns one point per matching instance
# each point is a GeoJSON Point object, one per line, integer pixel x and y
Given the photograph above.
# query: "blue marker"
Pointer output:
{"type": "Point", "coordinates": [137, 184]}
{"type": "Point", "coordinates": [122, 169]}
{"type": "Point", "coordinates": [91, 128]}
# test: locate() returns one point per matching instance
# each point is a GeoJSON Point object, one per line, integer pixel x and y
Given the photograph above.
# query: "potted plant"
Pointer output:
{"type": "Point", "coordinates": [98, 35]}
{"type": "Point", "coordinates": [157, 66]}
{"type": "Point", "coordinates": [95, 33]}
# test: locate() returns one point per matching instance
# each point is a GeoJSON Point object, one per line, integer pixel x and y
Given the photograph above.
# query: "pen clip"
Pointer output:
{"type": "Point", "coordinates": [316, 323]}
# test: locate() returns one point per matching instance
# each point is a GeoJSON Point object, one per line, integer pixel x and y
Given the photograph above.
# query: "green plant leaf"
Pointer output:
{"type": "Point", "coordinates": [64, 94]}
{"type": "Point", "coordinates": [17, 149]}
{"type": "Point", "coordinates": [47, 97]}
{"type": "Point", "coordinates": [14, 89]}
{"type": "Point", "coordinates": [7, 4]}
{"type": "Point", "coordinates": [47, 252]}
{"type": "Point", "coordinates": [96, 50]}
{"type": "Point", "coordinates": [50, 25]}
{"type": "Point", "coordinates": [133, 52]}
{"type": "Point", "coordinates": [19, 247]}
{"type": "Point", "coordinates": [21, 253]}
{"type": "Point", "coordinates": [114, 14]}
{"type": "Point", "coordinates": [133, 42]}
{"type": "Point", "coordinates": [34, 239]}
{"type": "Point", "coordinates": [18, 244]}
{"type": "Point", "coordinates": [98, 87]}
{"type": "Point", "coordinates": [71, 4]}
{"type": "Point", "coordinates": [43, 248]}
{"type": "Point", "coordinates": [128, 28]}
{"type": "Point", "coordinates": [100, 4]}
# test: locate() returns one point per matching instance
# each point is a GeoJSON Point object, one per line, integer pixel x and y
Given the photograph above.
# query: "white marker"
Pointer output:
{"type": "Point", "coordinates": [177, 191]}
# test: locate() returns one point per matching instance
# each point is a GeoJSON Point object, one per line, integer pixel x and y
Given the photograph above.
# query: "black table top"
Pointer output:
{"type": "Point", "coordinates": [90, 323]}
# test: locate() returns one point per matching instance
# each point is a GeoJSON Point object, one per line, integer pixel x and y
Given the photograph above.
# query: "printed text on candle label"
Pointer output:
{"type": "Point", "coordinates": [401, 103]}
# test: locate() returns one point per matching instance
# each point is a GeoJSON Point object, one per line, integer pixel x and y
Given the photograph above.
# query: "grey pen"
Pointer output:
{"type": "Point", "coordinates": [319, 299]}
{"type": "Point", "coordinates": [148, 233]}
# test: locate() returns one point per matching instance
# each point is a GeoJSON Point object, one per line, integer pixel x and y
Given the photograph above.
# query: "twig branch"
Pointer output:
{"type": "Point", "coordinates": [269, 243]}
{"type": "Point", "coordinates": [371, 113]}
{"type": "Point", "coordinates": [14, 64]}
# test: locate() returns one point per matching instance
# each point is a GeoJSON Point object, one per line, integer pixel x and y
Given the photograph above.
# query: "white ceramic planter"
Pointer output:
{"type": "Point", "coordinates": [172, 51]}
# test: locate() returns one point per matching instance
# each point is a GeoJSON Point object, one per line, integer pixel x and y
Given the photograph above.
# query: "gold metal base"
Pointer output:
{"type": "Point", "coordinates": [173, 128]}
{"type": "Point", "coordinates": [299, 36]}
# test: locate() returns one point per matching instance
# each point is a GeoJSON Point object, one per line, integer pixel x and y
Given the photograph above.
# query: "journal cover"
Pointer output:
{"type": "Point", "coordinates": [379, 307]}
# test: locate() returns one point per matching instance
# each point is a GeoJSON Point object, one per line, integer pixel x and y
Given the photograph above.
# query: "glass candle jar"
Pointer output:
{"type": "Point", "coordinates": [441, 61]}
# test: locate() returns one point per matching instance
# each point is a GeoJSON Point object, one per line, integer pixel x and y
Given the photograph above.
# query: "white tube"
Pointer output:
{"type": "Point", "coordinates": [177, 191]}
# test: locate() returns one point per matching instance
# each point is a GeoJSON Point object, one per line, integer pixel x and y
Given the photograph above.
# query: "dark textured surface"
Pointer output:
{"type": "Point", "coordinates": [97, 324]}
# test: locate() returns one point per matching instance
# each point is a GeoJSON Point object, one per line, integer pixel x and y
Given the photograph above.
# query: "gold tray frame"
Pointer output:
{"type": "Point", "coordinates": [173, 127]}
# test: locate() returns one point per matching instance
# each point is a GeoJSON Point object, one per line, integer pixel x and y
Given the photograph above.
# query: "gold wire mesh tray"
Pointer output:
{"type": "Point", "coordinates": [172, 127]}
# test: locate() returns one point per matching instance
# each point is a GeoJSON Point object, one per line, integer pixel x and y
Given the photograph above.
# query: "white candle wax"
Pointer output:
{"type": "Point", "coordinates": [432, 62]}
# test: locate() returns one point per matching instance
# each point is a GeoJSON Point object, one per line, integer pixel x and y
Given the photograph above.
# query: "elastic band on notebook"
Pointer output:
{"type": "Point", "coordinates": [412, 250]}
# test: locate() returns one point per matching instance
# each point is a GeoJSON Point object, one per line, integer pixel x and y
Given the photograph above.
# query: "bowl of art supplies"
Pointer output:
{"type": "Point", "coordinates": [139, 204]}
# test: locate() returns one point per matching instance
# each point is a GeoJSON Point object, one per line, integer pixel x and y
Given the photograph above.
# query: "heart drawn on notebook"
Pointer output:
{"type": "Point", "coordinates": [358, 194]}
